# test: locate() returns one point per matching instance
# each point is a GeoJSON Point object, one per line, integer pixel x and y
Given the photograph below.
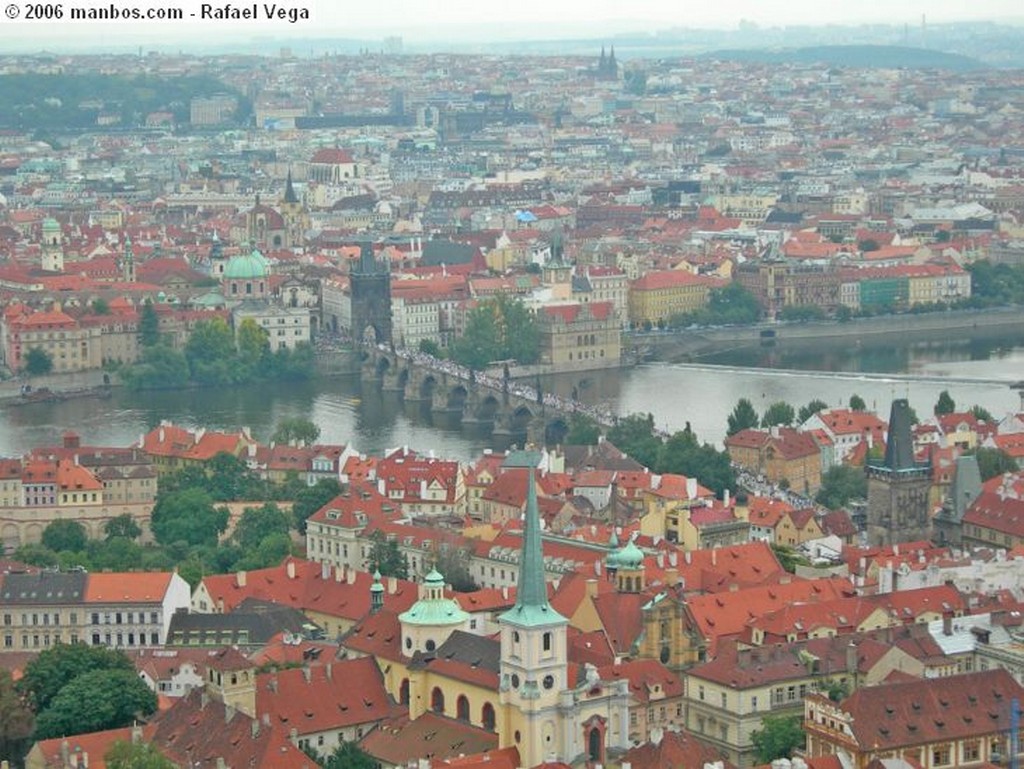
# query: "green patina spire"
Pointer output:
{"type": "Point", "coordinates": [532, 607]}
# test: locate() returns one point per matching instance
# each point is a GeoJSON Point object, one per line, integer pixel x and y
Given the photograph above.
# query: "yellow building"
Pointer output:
{"type": "Point", "coordinates": [657, 296]}
{"type": "Point", "coordinates": [579, 336]}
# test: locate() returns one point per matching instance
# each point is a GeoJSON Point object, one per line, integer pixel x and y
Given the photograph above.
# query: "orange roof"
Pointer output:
{"type": "Point", "coordinates": [127, 587]}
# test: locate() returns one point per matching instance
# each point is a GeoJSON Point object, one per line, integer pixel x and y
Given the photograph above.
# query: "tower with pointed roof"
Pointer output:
{"type": "Point", "coordinates": [898, 486]}
{"type": "Point", "coordinates": [534, 667]}
{"type": "Point", "coordinates": [127, 262]}
{"type": "Point", "coordinates": [293, 211]}
{"type": "Point", "coordinates": [370, 287]}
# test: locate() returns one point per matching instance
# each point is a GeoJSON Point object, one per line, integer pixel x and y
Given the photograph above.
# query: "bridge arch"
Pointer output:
{"type": "Point", "coordinates": [555, 431]}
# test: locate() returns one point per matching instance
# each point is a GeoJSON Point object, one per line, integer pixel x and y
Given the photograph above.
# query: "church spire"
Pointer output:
{"type": "Point", "coordinates": [289, 190]}
{"type": "Point", "coordinates": [532, 605]}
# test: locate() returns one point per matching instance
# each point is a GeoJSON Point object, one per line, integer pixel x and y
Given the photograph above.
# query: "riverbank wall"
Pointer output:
{"type": "Point", "coordinates": [666, 345]}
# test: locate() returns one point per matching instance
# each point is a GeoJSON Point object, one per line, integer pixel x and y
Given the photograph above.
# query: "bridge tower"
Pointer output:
{"type": "Point", "coordinates": [370, 280]}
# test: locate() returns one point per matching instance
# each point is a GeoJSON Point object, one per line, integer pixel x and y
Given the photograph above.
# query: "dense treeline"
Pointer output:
{"type": "Point", "coordinates": [53, 103]}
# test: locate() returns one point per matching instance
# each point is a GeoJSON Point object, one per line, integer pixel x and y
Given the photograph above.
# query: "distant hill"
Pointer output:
{"type": "Point", "coordinates": [861, 56]}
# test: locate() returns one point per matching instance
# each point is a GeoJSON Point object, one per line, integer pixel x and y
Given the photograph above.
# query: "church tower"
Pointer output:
{"type": "Point", "coordinates": [534, 669]}
{"type": "Point", "coordinates": [898, 486]}
{"type": "Point", "coordinates": [231, 678]}
{"type": "Point", "coordinates": [296, 220]}
{"type": "Point", "coordinates": [370, 286]}
{"type": "Point", "coordinates": [128, 262]}
{"type": "Point", "coordinates": [53, 249]}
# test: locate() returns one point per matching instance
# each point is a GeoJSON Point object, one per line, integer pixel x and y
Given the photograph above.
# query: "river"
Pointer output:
{"type": "Point", "coordinates": [700, 391]}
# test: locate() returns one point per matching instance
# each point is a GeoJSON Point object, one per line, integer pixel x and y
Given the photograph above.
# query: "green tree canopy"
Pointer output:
{"type": "Point", "coordinates": [101, 306]}
{"type": "Point", "coordinates": [743, 417]}
{"type": "Point", "coordinates": [136, 755]}
{"type": "Point", "coordinates": [258, 523]}
{"type": "Point", "coordinates": [159, 367]}
{"type": "Point", "coordinates": [348, 755]}
{"type": "Point", "coordinates": [993, 462]}
{"type": "Point", "coordinates": [122, 526]}
{"type": "Point", "coordinates": [982, 414]}
{"type": "Point", "coordinates": [454, 564]}
{"type": "Point", "coordinates": [149, 325]}
{"type": "Point", "coordinates": [778, 413]}
{"type": "Point", "coordinates": [840, 484]}
{"type": "Point", "coordinates": [808, 411]}
{"type": "Point", "coordinates": [210, 352]}
{"type": "Point", "coordinates": [583, 431]}
{"type": "Point", "coordinates": [16, 722]}
{"type": "Point", "coordinates": [57, 666]}
{"type": "Point", "coordinates": [253, 346]}
{"type": "Point", "coordinates": [38, 361]}
{"type": "Point", "coordinates": [497, 329]}
{"type": "Point", "coordinates": [93, 701]}
{"type": "Point", "coordinates": [188, 516]}
{"type": "Point", "coordinates": [684, 455]}
{"type": "Point", "coordinates": [857, 403]}
{"type": "Point", "coordinates": [311, 499]}
{"type": "Point", "coordinates": [298, 429]}
{"type": "Point", "coordinates": [778, 737]}
{"type": "Point", "coordinates": [387, 558]}
{"type": "Point", "coordinates": [65, 535]}
{"type": "Point", "coordinates": [430, 347]}
{"type": "Point", "coordinates": [731, 305]}
{"type": "Point", "coordinates": [945, 404]}
{"type": "Point", "coordinates": [635, 436]}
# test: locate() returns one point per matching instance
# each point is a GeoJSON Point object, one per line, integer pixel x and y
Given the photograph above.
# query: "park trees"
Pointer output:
{"type": "Point", "coordinates": [743, 417]}
{"type": "Point", "coordinates": [38, 362]}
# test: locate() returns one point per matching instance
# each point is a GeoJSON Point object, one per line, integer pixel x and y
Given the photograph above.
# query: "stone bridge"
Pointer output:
{"type": "Point", "coordinates": [511, 417]}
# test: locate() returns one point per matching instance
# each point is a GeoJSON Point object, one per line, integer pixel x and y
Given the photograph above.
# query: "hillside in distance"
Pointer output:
{"type": "Point", "coordinates": [860, 56]}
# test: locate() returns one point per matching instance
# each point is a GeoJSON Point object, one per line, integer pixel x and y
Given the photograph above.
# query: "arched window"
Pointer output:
{"type": "Point", "coordinates": [437, 700]}
{"type": "Point", "coordinates": [403, 692]}
{"type": "Point", "coordinates": [487, 716]}
{"type": "Point", "coordinates": [462, 708]}
{"type": "Point", "coordinates": [594, 745]}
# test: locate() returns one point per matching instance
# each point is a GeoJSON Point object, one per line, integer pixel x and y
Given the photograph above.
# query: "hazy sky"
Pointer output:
{"type": "Point", "coordinates": [423, 20]}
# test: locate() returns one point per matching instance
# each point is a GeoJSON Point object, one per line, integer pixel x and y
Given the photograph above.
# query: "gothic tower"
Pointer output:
{"type": "Point", "coordinates": [296, 219]}
{"type": "Point", "coordinates": [370, 286]}
{"type": "Point", "coordinates": [898, 486]}
{"type": "Point", "coordinates": [53, 249]}
{"type": "Point", "coordinates": [127, 262]}
{"type": "Point", "coordinates": [534, 669]}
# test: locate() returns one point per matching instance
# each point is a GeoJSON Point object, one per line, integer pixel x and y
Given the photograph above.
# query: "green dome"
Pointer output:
{"type": "Point", "coordinates": [631, 556]}
{"type": "Point", "coordinates": [252, 266]}
{"type": "Point", "coordinates": [50, 225]}
{"type": "Point", "coordinates": [376, 587]}
{"type": "Point", "coordinates": [434, 609]}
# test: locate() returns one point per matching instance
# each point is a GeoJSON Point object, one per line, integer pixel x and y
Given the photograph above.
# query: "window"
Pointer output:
{"type": "Point", "coordinates": [941, 755]}
{"type": "Point", "coordinates": [547, 642]}
{"type": "Point", "coordinates": [972, 750]}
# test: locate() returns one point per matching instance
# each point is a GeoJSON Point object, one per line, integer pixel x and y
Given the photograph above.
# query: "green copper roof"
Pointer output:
{"type": "Point", "coordinates": [436, 611]}
{"type": "Point", "coordinates": [50, 224]}
{"type": "Point", "coordinates": [532, 607]}
{"type": "Point", "coordinates": [247, 266]}
{"type": "Point", "coordinates": [376, 587]}
{"type": "Point", "coordinates": [631, 556]}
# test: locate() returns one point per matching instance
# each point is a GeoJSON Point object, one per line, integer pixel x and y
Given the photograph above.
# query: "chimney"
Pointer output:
{"type": "Point", "coordinates": [688, 557]}
{"type": "Point", "coordinates": [254, 728]}
{"type": "Point", "coordinates": [65, 752]}
{"type": "Point", "coordinates": [504, 592]}
{"type": "Point", "coordinates": [161, 434]}
{"type": "Point", "coordinates": [220, 763]}
{"type": "Point", "coordinates": [673, 558]}
{"type": "Point", "coordinates": [229, 713]}
{"type": "Point", "coordinates": [328, 670]}
{"type": "Point", "coordinates": [392, 585]}
{"type": "Point", "coordinates": [85, 760]}
{"type": "Point", "coordinates": [742, 656]}
{"type": "Point", "coordinates": [714, 556]}
{"type": "Point", "coordinates": [691, 488]}
{"type": "Point", "coordinates": [240, 578]}
{"type": "Point", "coordinates": [290, 569]}
{"type": "Point", "coordinates": [725, 497]}
{"type": "Point", "coordinates": [307, 673]}
{"type": "Point", "coordinates": [325, 571]}
{"type": "Point", "coordinates": [136, 734]}
{"type": "Point", "coordinates": [851, 658]}
{"type": "Point", "coordinates": [266, 719]}
{"type": "Point", "coordinates": [592, 588]}
{"type": "Point", "coordinates": [947, 624]}
{"type": "Point", "coordinates": [339, 573]}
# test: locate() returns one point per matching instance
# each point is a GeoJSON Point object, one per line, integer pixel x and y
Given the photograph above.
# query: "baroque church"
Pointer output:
{"type": "Point", "coordinates": [520, 685]}
{"type": "Point", "coordinates": [269, 228]}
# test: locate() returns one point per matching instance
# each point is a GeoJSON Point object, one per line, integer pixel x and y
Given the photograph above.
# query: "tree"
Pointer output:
{"type": "Point", "coordinates": [993, 462]}
{"type": "Point", "coordinates": [840, 484]}
{"type": "Point", "coordinates": [454, 564]}
{"type": "Point", "coordinates": [228, 478]}
{"type": "Point", "coordinates": [387, 558]}
{"type": "Point", "coordinates": [982, 414]}
{"type": "Point", "coordinates": [311, 499]}
{"type": "Point", "coordinates": [778, 737]}
{"type": "Point", "coordinates": [808, 411]}
{"type": "Point", "coordinates": [583, 431]}
{"type": "Point", "coordinates": [348, 755]}
{"type": "Point", "coordinates": [868, 244]}
{"type": "Point", "coordinates": [188, 516]}
{"type": "Point", "coordinates": [101, 306]}
{"type": "Point", "coordinates": [258, 523]}
{"type": "Point", "coordinates": [38, 361]}
{"type": "Point", "coordinates": [57, 666]}
{"type": "Point", "coordinates": [431, 348]}
{"type": "Point", "coordinates": [149, 325]}
{"type": "Point", "coordinates": [298, 429]}
{"type": "Point", "coordinates": [497, 329]}
{"type": "Point", "coordinates": [136, 755]}
{"type": "Point", "coordinates": [778, 413]}
{"type": "Point", "coordinates": [635, 436]}
{"type": "Point", "coordinates": [210, 352]}
{"type": "Point", "coordinates": [684, 455]}
{"type": "Point", "coordinates": [788, 558]}
{"type": "Point", "coordinates": [253, 348]}
{"type": "Point", "coordinates": [122, 526]}
{"type": "Point", "coordinates": [857, 403]}
{"type": "Point", "coordinates": [94, 701]}
{"type": "Point", "coordinates": [945, 404]}
{"type": "Point", "coordinates": [158, 367]}
{"type": "Point", "coordinates": [65, 535]}
{"type": "Point", "coordinates": [16, 722]}
{"type": "Point", "coordinates": [743, 417]}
